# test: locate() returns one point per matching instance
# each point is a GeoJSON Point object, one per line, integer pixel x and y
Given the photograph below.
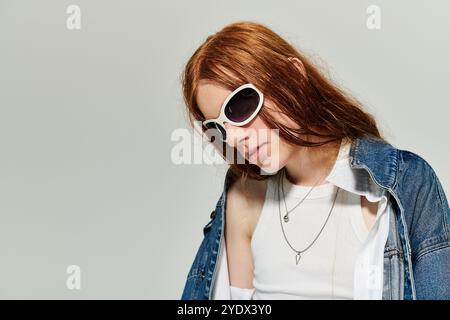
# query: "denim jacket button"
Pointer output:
{"type": "Point", "coordinates": [213, 214]}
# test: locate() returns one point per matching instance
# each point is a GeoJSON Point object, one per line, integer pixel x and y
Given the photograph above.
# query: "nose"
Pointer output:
{"type": "Point", "coordinates": [236, 136]}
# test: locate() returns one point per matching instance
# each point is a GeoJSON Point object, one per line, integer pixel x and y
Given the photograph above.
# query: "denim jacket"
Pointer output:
{"type": "Point", "coordinates": [417, 252]}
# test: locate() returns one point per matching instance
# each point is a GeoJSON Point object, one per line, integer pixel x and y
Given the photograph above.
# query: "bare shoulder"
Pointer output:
{"type": "Point", "coordinates": [242, 207]}
{"type": "Point", "coordinates": [244, 202]}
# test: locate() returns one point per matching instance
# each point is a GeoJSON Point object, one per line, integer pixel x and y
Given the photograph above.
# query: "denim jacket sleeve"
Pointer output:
{"type": "Point", "coordinates": [428, 222]}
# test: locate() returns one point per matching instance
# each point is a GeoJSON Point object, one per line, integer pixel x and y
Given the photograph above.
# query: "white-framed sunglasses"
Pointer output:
{"type": "Point", "coordinates": [238, 109]}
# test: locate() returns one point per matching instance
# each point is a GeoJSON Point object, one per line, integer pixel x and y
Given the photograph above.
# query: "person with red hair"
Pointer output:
{"type": "Point", "coordinates": [325, 209]}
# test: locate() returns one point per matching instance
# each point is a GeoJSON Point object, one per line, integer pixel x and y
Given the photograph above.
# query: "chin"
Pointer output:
{"type": "Point", "coordinates": [269, 166]}
{"type": "Point", "coordinates": [270, 162]}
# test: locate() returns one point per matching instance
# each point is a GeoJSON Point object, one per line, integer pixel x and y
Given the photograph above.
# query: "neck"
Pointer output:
{"type": "Point", "coordinates": [308, 166]}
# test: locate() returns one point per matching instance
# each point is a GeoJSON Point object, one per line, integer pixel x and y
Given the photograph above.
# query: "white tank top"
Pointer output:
{"type": "Point", "coordinates": [326, 269]}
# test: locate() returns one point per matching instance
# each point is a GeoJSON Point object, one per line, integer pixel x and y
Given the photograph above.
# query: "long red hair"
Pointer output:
{"type": "Point", "coordinates": [254, 53]}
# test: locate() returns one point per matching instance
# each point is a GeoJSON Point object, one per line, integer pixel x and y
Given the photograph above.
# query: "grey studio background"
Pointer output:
{"type": "Point", "coordinates": [86, 118]}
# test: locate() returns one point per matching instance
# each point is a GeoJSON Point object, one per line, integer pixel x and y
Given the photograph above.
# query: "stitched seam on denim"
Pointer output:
{"type": "Point", "coordinates": [393, 252]}
{"type": "Point", "coordinates": [218, 243]}
{"type": "Point", "coordinates": [431, 241]}
{"type": "Point", "coordinates": [409, 270]}
{"type": "Point", "coordinates": [443, 203]}
{"type": "Point", "coordinates": [392, 248]}
{"type": "Point", "coordinates": [397, 165]}
{"type": "Point", "coordinates": [355, 148]}
{"type": "Point", "coordinates": [390, 277]}
{"type": "Point", "coordinates": [401, 164]}
{"type": "Point", "coordinates": [194, 273]}
{"type": "Point", "coordinates": [431, 248]}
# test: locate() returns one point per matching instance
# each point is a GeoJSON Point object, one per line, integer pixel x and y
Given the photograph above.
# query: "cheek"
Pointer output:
{"type": "Point", "coordinates": [258, 123]}
{"type": "Point", "coordinates": [278, 116]}
{"type": "Point", "coordinates": [259, 128]}
{"type": "Point", "coordinates": [260, 132]}
{"type": "Point", "coordinates": [277, 150]}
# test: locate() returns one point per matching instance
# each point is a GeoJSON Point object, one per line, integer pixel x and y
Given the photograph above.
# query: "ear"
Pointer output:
{"type": "Point", "coordinates": [298, 64]}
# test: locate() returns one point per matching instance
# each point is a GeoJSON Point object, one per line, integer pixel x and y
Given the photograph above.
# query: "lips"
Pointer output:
{"type": "Point", "coordinates": [255, 149]}
{"type": "Point", "coordinates": [252, 151]}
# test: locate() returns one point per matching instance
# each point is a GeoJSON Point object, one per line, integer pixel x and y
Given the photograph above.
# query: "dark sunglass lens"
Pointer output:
{"type": "Point", "coordinates": [215, 130]}
{"type": "Point", "coordinates": [242, 105]}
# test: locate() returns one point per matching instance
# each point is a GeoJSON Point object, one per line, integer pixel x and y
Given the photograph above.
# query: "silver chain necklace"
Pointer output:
{"type": "Point", "coordinates": [286, 216]}
{"type": "Point", "coordinates": [298, 253]}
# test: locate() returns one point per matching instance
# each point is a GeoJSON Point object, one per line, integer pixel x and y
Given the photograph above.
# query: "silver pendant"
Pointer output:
{"type": "Point", "coordinates": [297, 257]}
{"type": "Point", "coordinates": [286, 218]}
